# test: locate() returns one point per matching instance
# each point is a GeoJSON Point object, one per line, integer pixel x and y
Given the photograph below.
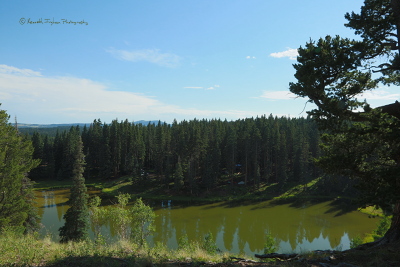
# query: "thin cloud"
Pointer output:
{"type": "Point", "coordinates": [200, 87]}
{"type": "Point", "coordinates": [290, 53]}
{"type": "Point", "coordinates": [250, 57]}
{"type": "Point", "coordinates": [379, 94]}
{"type": "Point", "coordinates": [16, 71]}
{"type": "Point", "coordinates": [34, 98]}
{"type": "Point", "coordinates": [150, 55]}
{"type": "Point", "coordinates": [278, 95]}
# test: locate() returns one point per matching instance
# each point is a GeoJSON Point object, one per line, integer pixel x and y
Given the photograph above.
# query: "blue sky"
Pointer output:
{"type": "Point", "coordinates": [159, 59]}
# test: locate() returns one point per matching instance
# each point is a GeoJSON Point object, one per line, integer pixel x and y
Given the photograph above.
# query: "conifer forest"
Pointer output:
{"type": "Point", "coordinates": [188, 154]}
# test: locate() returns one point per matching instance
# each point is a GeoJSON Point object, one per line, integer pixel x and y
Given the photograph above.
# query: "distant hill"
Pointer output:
{"type": "Point", "coordinates": [146, 122]}
{"type": "Point", "coordinates": [51, 129]}
{"type": "Point", "coordinates": [27, 125]}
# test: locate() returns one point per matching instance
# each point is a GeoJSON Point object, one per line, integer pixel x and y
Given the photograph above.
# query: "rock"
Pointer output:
{"type": "Point", "coordinates": [342, 264]}
{"type": "Point", "coordinates": [326, 259]}
{"type": "Point", "coordinates": [345, 264]}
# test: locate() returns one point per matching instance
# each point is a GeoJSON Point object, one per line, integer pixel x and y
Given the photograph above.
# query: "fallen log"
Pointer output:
{"type": "Point", "coordinates": [277, 256]}
{"type": "Point", "coordinates": [239, 259]}
{"type": "Point", "coordinates": [242, 260]}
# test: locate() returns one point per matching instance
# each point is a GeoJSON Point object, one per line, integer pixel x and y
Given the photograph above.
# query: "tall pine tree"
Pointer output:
{"type": "Point", "coordinates": [16, 209]}
{"type": "Point", "coordinates": [333, 73]}
{"type": "Point", "coordinates": [77, 216]}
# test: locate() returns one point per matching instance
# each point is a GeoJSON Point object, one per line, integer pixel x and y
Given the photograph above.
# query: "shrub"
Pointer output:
{"type": "Point", "coordinates": [142, 219]}
{"type": "Point", "coordinates": [356, 241]}
{"type": "Point", "coordinates": [270, 244]}
{"type": "Point", "coordinates": [382, 228]}
{"type": "Point", "coordinates": [209, 244]}
{"type": "Point", "coordinates": [183, 242]}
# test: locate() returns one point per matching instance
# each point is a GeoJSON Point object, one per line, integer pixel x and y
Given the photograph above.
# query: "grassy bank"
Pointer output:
{"type": "Point", "coordinates": [18, 250]}
{"type": "Point", "coordinates": [62, 184]}
{"type": "Point", "coordinates": [152, 188]}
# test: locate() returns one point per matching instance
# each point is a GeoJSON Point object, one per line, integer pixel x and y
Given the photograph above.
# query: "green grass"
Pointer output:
{"type": "Point", "coordinates": [297, 190]}
{"type": "Point", "coordinates": [116, 186]}
{"type": "Point", "coordinates": [62, 184]}
{"type": "Point", "coordinates": [152, 188]}
{"type": "Point", "coordinates": [29, 250]}
{"type": "Point", "coordinates": [372, 211]}
{"type": "Point", "coordinates": [52, 184]}
{"type": "Point", "coordinates": [17, 250]}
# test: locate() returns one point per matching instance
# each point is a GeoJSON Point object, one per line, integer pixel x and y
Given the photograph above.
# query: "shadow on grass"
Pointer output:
{"type": "Point", "coordinates": [98, 261]}
{"type": "Point", "coordinates": [230, 196]}
{"type": "Point", "coordinates": [338, 206]}
{"type": "Point", "coordinates": [267, 199]}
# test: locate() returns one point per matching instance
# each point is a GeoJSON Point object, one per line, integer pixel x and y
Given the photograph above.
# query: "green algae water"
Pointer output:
{"type": "Point", "coordinates": [237, 228]}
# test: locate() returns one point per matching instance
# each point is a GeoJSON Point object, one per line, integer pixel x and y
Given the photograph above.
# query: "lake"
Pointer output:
{"type": "Point", "coordinates": [237, 228]}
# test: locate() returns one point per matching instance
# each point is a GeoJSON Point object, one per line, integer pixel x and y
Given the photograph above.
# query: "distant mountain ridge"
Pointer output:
{"type": "Point", "coordinates": [28, 125]}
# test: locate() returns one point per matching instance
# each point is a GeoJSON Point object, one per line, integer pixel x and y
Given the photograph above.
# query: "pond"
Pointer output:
{"type": "Point", "coordinates": [237, 228]}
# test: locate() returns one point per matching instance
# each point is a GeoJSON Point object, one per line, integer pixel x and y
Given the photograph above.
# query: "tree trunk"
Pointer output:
{"type": "Point", "coordinates": [393, 234]}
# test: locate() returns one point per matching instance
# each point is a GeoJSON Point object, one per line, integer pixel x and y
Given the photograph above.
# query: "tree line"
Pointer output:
{"type": "Point", "coordinates": [193, 154]}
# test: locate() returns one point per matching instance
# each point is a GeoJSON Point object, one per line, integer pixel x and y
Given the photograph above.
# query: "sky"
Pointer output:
{"type": "Point", "coordinates": [68, 61]}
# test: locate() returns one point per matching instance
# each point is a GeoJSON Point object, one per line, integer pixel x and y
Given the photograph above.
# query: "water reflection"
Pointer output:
{"type": "Point", "coordinates": [236, 228]}
{"type": "Point", "coordinates": [52, 207]}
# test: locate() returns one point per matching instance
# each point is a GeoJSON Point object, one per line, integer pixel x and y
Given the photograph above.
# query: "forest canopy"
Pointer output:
{"type": "Point", "coordinates": [194, 154]}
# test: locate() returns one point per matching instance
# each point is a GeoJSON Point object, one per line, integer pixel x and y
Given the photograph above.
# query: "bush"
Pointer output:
{"type": "Point", "coordinates": [209, 244]}
{"type": "Point", "coordinates": [183, 242]}
{"type": "Point", "coordinates": [270, 244]}
{"type": "Point", "coordinates": [142, 219]}
{"type": "Point", "coordinates": [356, 241]}
{"type": "Point", "coordinates": [382, 228]}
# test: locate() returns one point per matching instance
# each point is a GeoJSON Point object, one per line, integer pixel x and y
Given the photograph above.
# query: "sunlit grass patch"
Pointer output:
{"type": "Point", "coordinates": [297, 190]}
{"type": "Point", "coordinates": [63, 184]}
{"type": "Point", "coordinates": [113, 187]}
{"type": "Point", "coordinates": [52, 184]}
{"type": "Point", "coordinates": [373, 211]}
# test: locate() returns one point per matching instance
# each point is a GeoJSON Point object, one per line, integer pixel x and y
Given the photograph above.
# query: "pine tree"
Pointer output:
{"type": "Point", "coordinates": [48, 157]}
{"type": "Point", "coordinates": [93, 148]}
{"type": "Point", "coordinates": [115, 147]}
{"type": "Point", "coordinates": [159, 149]}
{"type": "Point", "coordinates": [254, 155]}
{"type": "Point", "coordinates": [16, 207]}
{"type": "Point", "coordinates": [178, 176]}
{"type": "Point", "coordinates": [38, 153]}
{"type": "Point", "coordinates": [105, 154]}
{"type": "Point", "coordinates": [58, 148]}
{"type": "Point", "coordinates": [77, 216]}
{"type": "Point", "coordinates": [333, 73]}
{"type": "Point", "coordinates": [230, 151]}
